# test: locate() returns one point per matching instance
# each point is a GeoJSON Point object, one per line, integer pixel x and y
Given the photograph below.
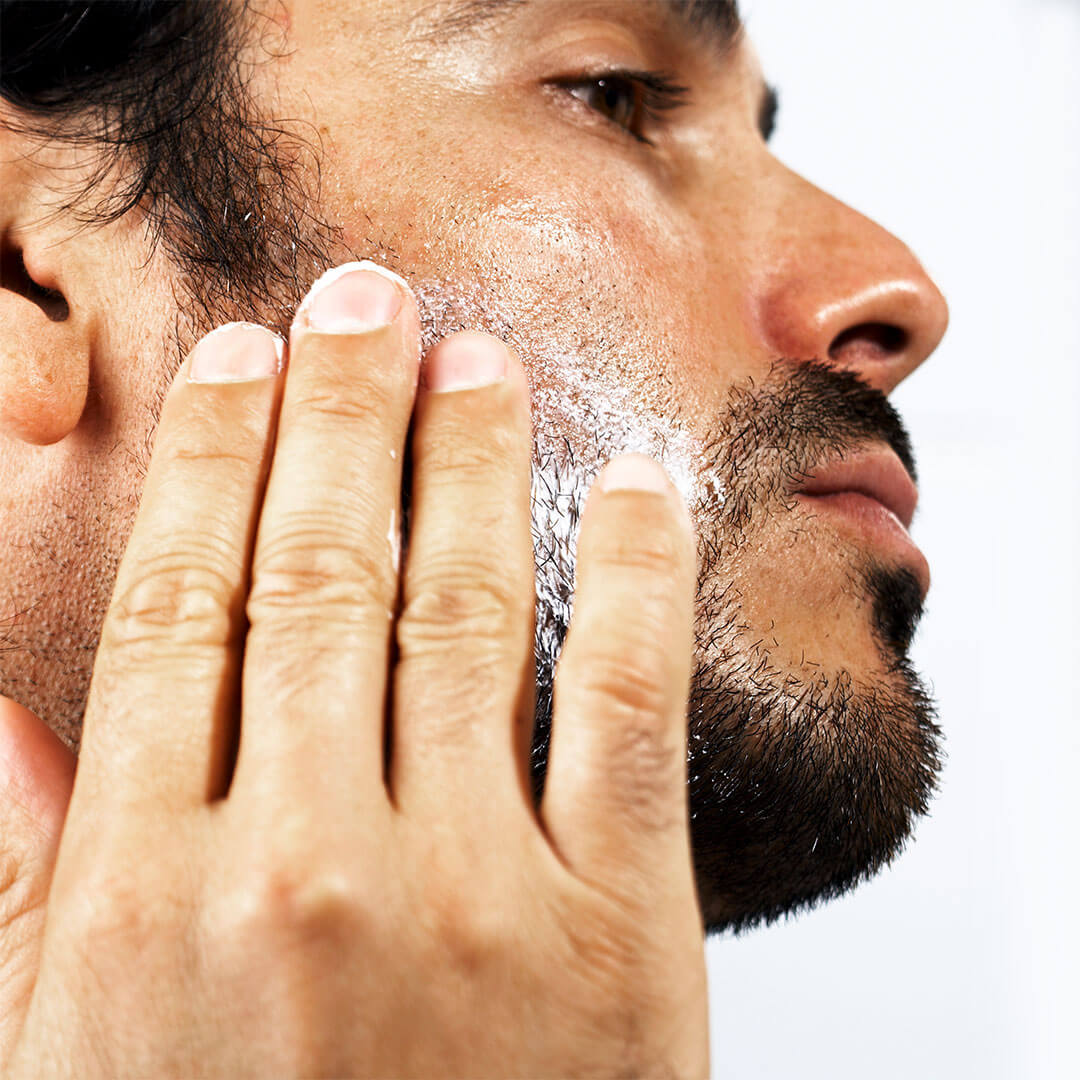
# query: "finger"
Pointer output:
{"type": "Point", "coordinates": [324, 576]}
{"type": "Point", "coordinates": [463, 685]}
{"type": "Point", "coordinates": [615, 803]}
{"type": "Point", "coordinates": [161, 713]}
{"type": "Point", "coordinates": [36, 769]}
{"type": "Point", "coordinates": [36, 774]}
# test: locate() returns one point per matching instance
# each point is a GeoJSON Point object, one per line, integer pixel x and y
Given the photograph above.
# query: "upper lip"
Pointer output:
{"type": "Point", "coordinates": [878, 474]}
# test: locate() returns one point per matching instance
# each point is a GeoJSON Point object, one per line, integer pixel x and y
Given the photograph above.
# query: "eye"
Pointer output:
{"type": "Point", "coordinates": [632, 100]}
{"type": "Point", "coordinates": [616, 99]}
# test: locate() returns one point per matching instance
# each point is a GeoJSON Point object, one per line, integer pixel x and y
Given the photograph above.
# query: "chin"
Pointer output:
{"type": "Point", "coordinates": [805, 782]}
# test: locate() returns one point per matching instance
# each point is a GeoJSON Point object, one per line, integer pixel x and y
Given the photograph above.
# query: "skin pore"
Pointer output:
{"type": "Point", "coordinates": [671, 288]}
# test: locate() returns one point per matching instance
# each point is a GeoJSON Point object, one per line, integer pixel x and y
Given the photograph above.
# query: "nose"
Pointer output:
{"type": "Point", "coordinates": [840, 289]}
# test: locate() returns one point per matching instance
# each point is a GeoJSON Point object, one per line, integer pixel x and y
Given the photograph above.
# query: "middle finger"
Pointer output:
{"type": "Point", "coordinates": [464, 685]}
{"type": "Point", "coordinates": [324, 575]}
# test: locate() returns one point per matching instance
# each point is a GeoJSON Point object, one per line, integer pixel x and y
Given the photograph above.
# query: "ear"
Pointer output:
{"type": "Point", "coordinates": [47, 325]}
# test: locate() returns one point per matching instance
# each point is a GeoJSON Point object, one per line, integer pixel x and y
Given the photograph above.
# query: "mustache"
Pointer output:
{"type": "Point", "coordinates": [848, 407]}
{"type": "Point", "coordinates": [771, 435]}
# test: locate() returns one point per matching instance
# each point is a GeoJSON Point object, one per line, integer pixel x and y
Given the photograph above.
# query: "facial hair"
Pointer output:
{"type": "Point", "coordinates": [800, 784]}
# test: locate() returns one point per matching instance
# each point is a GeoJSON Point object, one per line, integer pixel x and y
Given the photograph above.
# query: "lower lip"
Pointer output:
{"type": "Point", "coordinates": [875, 523]}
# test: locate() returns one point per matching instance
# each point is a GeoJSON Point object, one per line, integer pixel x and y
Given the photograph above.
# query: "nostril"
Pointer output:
{"type": "Point", "coordinates": [868, 341]}
{"type": "Point", "coordinates": [13, 276]}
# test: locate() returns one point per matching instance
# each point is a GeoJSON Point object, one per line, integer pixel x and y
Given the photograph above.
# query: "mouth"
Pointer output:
{"type": "Point", "coordinates": [873, 493]}
{"type": "Point", "coordinates": [877, 475]}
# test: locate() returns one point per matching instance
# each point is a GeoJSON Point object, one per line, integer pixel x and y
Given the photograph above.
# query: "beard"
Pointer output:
{"type": "Point", "coordinates": [801, 783]}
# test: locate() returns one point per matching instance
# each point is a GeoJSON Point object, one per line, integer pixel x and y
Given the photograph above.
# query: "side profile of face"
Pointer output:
{"type": "Point", "coordinates": [591, 181]}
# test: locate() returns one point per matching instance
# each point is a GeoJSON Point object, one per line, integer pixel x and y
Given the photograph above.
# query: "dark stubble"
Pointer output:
{"type": "Point", "coordinates": [800, 785]}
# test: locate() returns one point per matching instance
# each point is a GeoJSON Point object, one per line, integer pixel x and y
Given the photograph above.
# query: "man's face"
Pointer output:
{"type": "Point", "coordinates": [590, 181]}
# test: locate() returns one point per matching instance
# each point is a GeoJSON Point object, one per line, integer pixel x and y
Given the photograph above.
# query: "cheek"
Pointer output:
{"type": "Point", "coordinates": [630, 289]}
{"type": "Point", "coordinates": [595, 248]}
{"type": "Point", "coordinates": [582, 263]}
{"type": "Point", "coordinates": [560, 229]}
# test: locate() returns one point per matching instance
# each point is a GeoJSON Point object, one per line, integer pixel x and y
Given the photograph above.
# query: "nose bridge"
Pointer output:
{"type": "Point", "coordinates": [836, 287]}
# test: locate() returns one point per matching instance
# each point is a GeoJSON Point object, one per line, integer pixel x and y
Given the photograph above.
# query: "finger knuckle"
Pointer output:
{"type": "Point", "coordinates": [636, 710]}
{"type": "Point", "coordinates": [195, 457]}
{"type": "Point", "coordinates": [292, 902]}
{"type": "Point", "coordinates": [297, 925]}
{"type": "Point", "coordinates": [470, 935]}
{"type": "Point", "coordinates": [309, 903]}
{"type": "Point", "coordinates": [654, 552]}
{"type": "Point", "coordinates": [362, 403]}
{"type": "Point", "coordinates": [645, 755]}
{"type": "Point", "coordinates": [306, 564]}
{"type": "Point", "coordinates": [186, 596]}
{"type": "Point", "coordinates": [630, 677]}
{"type": "Point", "coordinates": [463, 597]}
{"type": "Point", "coordinates": [195, 440]}
{"type": "Point", "coordinates": [639, 743]}
{"type": "Point", "coordinates": [113, 918]}
{"type": "Point", "coordinates": [460, 458]}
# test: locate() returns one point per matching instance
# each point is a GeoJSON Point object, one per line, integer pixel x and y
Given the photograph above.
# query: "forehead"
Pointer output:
{"type": "Point", "coordinates": [710, 27]}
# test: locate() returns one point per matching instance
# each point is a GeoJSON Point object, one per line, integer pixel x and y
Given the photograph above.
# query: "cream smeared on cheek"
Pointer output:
{"type": "Point", "coordinates": [584, 413]}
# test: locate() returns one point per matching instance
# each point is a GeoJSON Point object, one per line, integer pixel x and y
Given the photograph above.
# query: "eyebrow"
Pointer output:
{"type": "Point", "coordinates": [718, 21]}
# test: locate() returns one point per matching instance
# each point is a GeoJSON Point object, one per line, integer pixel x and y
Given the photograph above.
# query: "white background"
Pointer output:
{"type": "Point", "coordinates": [954, 123]}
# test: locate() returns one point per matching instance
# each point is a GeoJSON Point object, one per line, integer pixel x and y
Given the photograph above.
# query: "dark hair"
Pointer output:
{"type": "Point", "coordinates": [155, 89]}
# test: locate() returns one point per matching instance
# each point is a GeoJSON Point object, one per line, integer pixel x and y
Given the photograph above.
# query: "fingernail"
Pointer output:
{"type": "Point", "coordinates": [466, 361]}
{"type": "Point", "coordinates": [633, 472]}
{"type": "Point", "coordinates": [236, 352]}
{"type": "Point", "coordinates": [355, 298]}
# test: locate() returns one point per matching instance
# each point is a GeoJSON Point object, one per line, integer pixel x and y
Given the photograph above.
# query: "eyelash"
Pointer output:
{"type": "Point", "coordinates": [653, 92]}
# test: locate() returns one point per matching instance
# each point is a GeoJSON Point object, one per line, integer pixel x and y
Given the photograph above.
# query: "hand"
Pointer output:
{"type": "Point", "coordinates": [369, 890]}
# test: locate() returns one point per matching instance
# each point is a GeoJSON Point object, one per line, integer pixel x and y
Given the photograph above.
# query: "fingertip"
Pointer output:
{"type": "Point", "coordinates": [634, 472]}
{"type": "Point", "coordinates": [236, 352]}
{"type": "Point", "coordinates": [352, 299]}
{"type": "Point", "coordinates": [641, 473]}
{"type": "Point", "coordinates": [466, 360]}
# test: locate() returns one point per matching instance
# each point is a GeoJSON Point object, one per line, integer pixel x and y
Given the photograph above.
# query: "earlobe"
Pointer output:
{"type": "Point", "coordinates": [44, 354]}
